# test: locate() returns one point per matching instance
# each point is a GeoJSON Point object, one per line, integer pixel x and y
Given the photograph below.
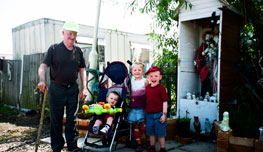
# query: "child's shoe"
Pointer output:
{"type": "Point", "coordinates": [151, 149]}
{"type": "Point", "coordinates": [95, 130]}
{"type": "Point", "coordinates": [148, 145]}
{"type": "Point", "coordinates": [139, 148]}
{"type": "Point", "coordinates": [105, 129]}
{"type": "Point", "coordinates": [163, 150]}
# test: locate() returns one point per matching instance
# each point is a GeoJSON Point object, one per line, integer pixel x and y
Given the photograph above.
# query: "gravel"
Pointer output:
{"type": "Point", "coordinates": [18, 133]}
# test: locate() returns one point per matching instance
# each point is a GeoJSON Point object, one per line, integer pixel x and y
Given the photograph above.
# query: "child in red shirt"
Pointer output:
{"type": "Point", "coordinates": [156, 108]}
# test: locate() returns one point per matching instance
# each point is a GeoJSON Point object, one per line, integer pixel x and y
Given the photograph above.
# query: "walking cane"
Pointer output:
{"type": "Point", "coordinates": [41, 118]}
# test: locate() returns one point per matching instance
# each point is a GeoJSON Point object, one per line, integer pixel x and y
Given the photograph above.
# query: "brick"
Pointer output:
{"type": "Point", "coordinates": [221, 145]}
{"type": "Point", "coordinates": [221, 150]}
{"type": "Point", "coordinates": [171, 128]}
{"type": "Point", "coordinates": [182, 140]}
{"type": "Point", "coordinates": [224, 135]}
{"type": "Point", "coordinates": [258, 146]}
{"type": "Point", "coordinates": [217, 127]}
{"type": "Point", "coordinates": [241, 144]}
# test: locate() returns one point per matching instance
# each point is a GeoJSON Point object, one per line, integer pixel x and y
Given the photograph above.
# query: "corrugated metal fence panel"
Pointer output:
{"type": "Point", "coordinates": [10, 82]}
{"type": "Point", "coordinates": [31, 64]}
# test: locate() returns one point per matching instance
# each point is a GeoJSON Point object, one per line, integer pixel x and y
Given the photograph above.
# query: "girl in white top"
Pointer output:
{"type": "Point", "coordinates": [136, 115]}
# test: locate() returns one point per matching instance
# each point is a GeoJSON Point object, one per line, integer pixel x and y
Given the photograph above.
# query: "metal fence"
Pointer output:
{"type": "Point", "coordinates": [169, 81]}
{"type": "Point", "coordinates": [19, 78]}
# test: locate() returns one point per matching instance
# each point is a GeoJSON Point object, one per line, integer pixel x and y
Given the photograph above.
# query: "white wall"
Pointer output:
{"type": "Point", "coordinates": [200, 9]}
{"type": "Point", "coordinates": [188, 79]}
{"type": "Point", "coordinates": [201, 109]}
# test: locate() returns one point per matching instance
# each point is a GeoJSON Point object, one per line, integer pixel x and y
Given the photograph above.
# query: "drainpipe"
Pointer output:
{"type": "Point", "coordinates": [1, 85]}
{"type": "Point", "coordinates": [21, 83]}
{"type": "Point", "coordinates": [93, 56]}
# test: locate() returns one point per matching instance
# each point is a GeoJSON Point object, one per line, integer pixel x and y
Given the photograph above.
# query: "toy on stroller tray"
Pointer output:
{"type": "Point", "coordinates": [100, 108]}
{"type": "Point", "coordinates": [114, 79]}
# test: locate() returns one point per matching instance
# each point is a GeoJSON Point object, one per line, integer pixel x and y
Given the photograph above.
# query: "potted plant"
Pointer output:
{"type": "Point", "coordinates": [184, 127]}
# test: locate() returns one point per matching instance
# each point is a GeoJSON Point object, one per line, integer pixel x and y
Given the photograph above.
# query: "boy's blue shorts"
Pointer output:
{"type": "Point", "coordinates": [153, 126]}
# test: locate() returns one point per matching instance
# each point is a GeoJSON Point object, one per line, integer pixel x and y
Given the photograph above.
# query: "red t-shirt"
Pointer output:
{"type": "Point", "coordinates": [155, 98]}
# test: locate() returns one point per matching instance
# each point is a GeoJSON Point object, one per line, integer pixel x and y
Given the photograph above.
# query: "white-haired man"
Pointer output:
{"type": "Point", "coordinates": [65, 61]}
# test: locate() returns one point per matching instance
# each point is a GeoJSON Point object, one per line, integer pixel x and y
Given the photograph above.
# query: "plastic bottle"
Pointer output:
{"type": "Point", "coordinates": [207, 126]}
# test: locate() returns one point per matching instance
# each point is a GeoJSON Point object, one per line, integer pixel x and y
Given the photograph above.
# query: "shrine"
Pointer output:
{"type": "Point", "coordinates": [208, 52]}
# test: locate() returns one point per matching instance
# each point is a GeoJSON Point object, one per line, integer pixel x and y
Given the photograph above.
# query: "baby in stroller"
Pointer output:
{"type": "Point", "coordinates": [106, 119]}
{"type": "Point", "coordinates": [112, 89]}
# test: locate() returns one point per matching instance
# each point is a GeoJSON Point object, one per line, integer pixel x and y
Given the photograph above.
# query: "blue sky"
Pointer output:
{"type": "Point", "coordinates": [114, 15]}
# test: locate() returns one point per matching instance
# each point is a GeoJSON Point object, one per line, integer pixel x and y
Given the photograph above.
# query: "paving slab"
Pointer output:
{"type": "Point", "coordinates": [171, 146]}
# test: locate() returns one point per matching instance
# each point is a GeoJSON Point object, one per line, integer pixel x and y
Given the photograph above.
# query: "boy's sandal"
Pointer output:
{"type": "Point", "coordinates": [151, 149]}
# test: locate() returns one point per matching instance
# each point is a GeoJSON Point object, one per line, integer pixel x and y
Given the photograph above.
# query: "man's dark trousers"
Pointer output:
{"type": "Point", "coordinates": [59, 97]}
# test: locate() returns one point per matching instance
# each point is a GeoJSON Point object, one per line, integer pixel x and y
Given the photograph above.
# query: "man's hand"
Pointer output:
{"type": "Point", "coordinates": [42, 85]}
{"type": "Point", "coordinates": [83, 94]}
{"type": "Point", "coordinates": [42, 81]}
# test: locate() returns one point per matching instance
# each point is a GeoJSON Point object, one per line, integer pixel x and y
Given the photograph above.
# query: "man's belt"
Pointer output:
{"type": "Point", "coordinates": [64, 85]}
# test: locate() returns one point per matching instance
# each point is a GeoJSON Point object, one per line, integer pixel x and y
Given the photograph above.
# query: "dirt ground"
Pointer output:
{"type": "Point", "coordinates": [18, 133]}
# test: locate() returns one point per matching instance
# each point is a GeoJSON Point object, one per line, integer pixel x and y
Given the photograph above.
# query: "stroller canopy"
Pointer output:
{"type": "Point", "coordinates": [114, 78]}
{"type": "Point", "coordinates": [116, 71]}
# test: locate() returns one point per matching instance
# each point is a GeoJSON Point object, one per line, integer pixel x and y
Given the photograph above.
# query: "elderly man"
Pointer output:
{"type": "Point", "coordinates": [65, 61]}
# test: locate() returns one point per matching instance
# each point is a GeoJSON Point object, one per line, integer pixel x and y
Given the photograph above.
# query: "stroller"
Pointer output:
{"type": "Point", "coordinates": [114, 78]}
